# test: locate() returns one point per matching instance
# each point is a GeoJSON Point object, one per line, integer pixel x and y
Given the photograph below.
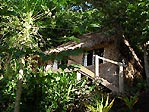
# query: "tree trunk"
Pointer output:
{"type": "Point", "coordinates": [19, 91]}
{"type": "Point", "coordinates": [133, 53]}
{"type": "Point", "coordinates": [18, 96]}
{"type": "Point", "coordinates": [146, 62]}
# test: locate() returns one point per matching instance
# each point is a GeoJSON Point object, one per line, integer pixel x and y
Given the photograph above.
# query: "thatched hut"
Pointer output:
{"type": "Point", "coordinates": [94, 44]}
{"type": "Point", "coordinates": [111, 50]}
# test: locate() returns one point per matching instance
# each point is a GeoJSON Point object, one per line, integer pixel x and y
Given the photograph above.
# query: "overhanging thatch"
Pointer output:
{"type": "Point", "coordinates": [95, 40]}
{"type": "Point", "coordinates": [87, 41]}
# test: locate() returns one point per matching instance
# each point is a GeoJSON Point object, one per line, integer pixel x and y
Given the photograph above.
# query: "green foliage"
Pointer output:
{"type": "Point", "coordinates": [9, 74]}
{"type": "Point", "coordinates": [101, 105]}
{"type": "Point", "coordinates": [29, 27]}
{"type": "Point", "coordinates": [58, 88]}
{"type": "Point", "coordinates": [138, 25]}
{"type": "Point", "coordinates": [33, 23]}
{"type": "Point", "coordinates": [42, 91]}
{"type": "Point", "coordinates": [46, 91]}
{"type": "Point", "coordinates": [130, 101]}
{"type": "Point", "coordinates": [19, 27]}
{"type": "Point", "coordinates": [121, 16]}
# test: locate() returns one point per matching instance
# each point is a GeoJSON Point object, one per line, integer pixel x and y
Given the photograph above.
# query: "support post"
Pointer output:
{"type": "Point", "coordinates": [96, 66]}
{"type": "Point", "coordinates": [93, 58]}
{"type": "Point", "coordinates": [78, 76]}
{"type": "Point", "coordinates": [55, 64]}
{"type": "Point", "coordinates": [121, 78]}
{"type": "Point", "coordinates": [85, 59]}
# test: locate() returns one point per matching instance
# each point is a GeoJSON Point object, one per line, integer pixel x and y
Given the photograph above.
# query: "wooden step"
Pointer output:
{"type": "Point", "coordinates": [87, 72]}
{"type": "Point", "coordinates": [102, 81]}
{"type": "Point", "coordinates": [108, 84]}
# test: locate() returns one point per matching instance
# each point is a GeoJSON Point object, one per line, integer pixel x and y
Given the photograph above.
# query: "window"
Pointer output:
{"type": "Point", "coordinates": [89, 59]}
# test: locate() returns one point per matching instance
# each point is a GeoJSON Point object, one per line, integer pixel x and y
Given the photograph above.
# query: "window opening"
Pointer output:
{"type": "Point", "coordinates": [90, 58]}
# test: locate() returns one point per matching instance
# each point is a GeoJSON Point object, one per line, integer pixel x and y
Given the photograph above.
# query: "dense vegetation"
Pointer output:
{"type": "Point", "coordinates": [30, 27]}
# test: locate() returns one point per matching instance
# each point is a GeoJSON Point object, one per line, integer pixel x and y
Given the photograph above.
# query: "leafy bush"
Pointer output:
{"type": "Point", "coordinates": [130, 101]}
{"type": "Point", "coordinates": [53, 91]}
{"type": "Point", "coordinates": [100, 105]}
{"type": "Point", "coordinates": [43, 91]}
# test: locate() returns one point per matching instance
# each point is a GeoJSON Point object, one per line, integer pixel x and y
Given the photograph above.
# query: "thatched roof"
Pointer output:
{"type": "Point", "coordinates": [88, 41]}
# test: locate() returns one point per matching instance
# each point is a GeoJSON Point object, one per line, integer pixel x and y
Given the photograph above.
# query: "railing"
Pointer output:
{"type": "Point", "coordinates": [121, 65]}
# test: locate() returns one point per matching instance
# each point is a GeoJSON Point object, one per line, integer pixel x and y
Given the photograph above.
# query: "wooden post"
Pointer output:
{"type": "Point", "coordinates": [121, 78]}
{"type": "Point", "coordinates": [78, 76]}
{"type": "Point", "coordinates": [55, 64]}
{"type": "Point", "coordinates": [96, 66]}
{"type": "Point", "coordinates": [85, 59]}
{"type": "Point", "coordinates": [93, 58]}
